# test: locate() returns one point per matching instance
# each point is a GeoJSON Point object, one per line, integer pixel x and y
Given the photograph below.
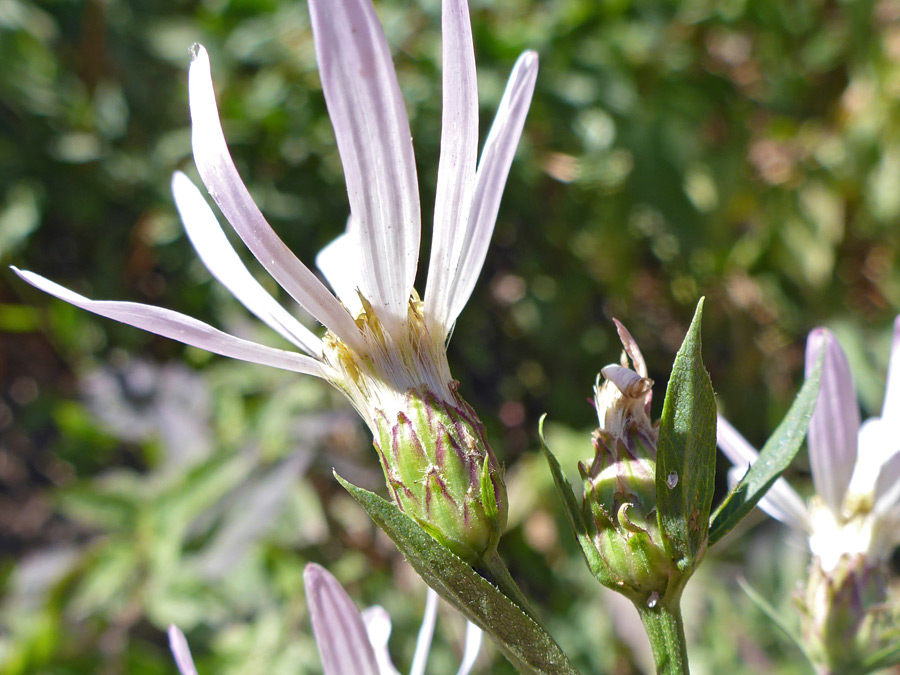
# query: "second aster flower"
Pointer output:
{"type": "Point", "coordinates": [384, 348]}
{"type": "Point", "coordinates": [849, 614]}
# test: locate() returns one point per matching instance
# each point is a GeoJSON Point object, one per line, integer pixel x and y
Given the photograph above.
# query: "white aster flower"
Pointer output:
{"type": "Point", "coordinates": [384, 348]}
{"type": "Point", "coordinates": [381, 340]}
{"type": "Point", "coordinates": [855, 468]}
{"type": "Point", "coordinates": [351, 641]}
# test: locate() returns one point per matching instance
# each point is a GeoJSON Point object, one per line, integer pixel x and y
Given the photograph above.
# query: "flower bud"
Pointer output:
{"type": "Point", "coordinates": [620, 482]}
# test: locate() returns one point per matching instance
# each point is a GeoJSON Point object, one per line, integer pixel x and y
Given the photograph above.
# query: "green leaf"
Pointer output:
{"type": "Point", "coordinates": [686, 460]}
{"type": "Point", "coordinates": [573, 513]}
{"type": "Point", "coordinates": [777, 454]}
{"type": "Point", "coordinates": [525, 643]}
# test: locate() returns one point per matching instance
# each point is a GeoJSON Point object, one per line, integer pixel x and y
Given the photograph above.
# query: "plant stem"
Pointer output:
{"type": "Point", "coordinates": [666, 632]}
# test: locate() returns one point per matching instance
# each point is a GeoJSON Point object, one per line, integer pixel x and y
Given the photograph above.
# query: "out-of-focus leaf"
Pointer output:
{"type": "Point", "coordinates": [776, 455]}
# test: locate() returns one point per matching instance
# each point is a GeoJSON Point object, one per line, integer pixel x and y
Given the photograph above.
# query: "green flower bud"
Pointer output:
{"type": "Point", "coordinates": [441, 471]}
{"type": "Point", "coordinates": [620, 483]}
{"type": "Point", "coordinates": [848, 616]}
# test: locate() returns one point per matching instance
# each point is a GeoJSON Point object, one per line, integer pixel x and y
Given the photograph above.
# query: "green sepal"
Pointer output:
{"type": "Point", "coordinates": [686, 458]}
{"type": "Point", "coordinates": [777, 454]}
{"type": "Point", "coordinates": [573, 514]}
{"type": "Point", "coordinates": [527, 645]}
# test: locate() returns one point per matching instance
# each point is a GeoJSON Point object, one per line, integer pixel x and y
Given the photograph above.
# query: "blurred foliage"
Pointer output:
{"type": "Point", "coordinates": [746, 151]}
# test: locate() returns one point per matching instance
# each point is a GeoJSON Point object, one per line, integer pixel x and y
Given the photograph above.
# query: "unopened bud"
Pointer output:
{"type": "Point", "coordinates": [620, 481]}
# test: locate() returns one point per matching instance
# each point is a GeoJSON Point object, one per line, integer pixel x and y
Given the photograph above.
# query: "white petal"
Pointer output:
{"type": "Point", "coordinates": [835, 421]}
{"type": "Point", "coordinates": [887, 486]}
{"type": "Point", "coordinates": [459, 155]}
{"type": "Point", "coordinates": [426, 632]}
{"type": "Point", "coordinates": [338, 626]}
{"type": "Point", "coordinates": [341, 264]}
{"type": "Point", "coordinates": [224, 264]}
{"type": "Point", "coordinates": [180, 650]}
{"type": "Point", "coordinates": [878, 443]}
{"type": "Point", "coordinates": [372, 133]}
{"type": "Point", "coordinates": [378, 628]}
{"type": "Point", "coordinates": [470, 652]}
{"type": "Point", "coordinates": [182, 328]}
{"type": "Point", "coordinates": [490, 178]}
{"type": "Point", "coordinates": [228, 190]}
{"type": "Point", "coordinates": [781, 501]}
{"type": "Point", "coordinates": [891, 409]}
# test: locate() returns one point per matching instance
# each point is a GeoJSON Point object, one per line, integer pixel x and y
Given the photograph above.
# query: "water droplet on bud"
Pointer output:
{"type": "Point", "coordinates": [672, 479]}
{"type": "Point", "coordinates": [653, 600]}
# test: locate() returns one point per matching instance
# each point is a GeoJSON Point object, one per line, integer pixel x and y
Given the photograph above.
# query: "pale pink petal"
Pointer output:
{"type": "Point", "coordinates": [470, 651]}
{"type": "Point", "coordinates": [426, 632]}
{"type": "Point", "coordinates": [372, 133]}
{"type": "Point", "coordinates": [228, 190]}
{"type": "Point", "coordinates": [224, 264]}
{"type": "Point", "coordinates": [490, 178]}
{"type": "Point", "coordinates": [890, 412]}
{"type": "Point", "coordinates": [338, 626]}
{"type": "Point", "coordinates": [182, 328]}
{"type": "Point", "coordinates": [341, 264]}
{"type": "Point", "coordinates": [180, 650]}
{"type": "Point", "coordinates": [835, 422]}
{"type": "Point", "coordinates": [459, 155]}
{"type": "Point", "coordinates": [781, 501]}
{"type": "Point", "coordinates": [378, 628]}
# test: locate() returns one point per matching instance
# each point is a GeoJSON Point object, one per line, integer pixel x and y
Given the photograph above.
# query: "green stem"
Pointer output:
{"type": "Point", "coordinates": [666, 632]}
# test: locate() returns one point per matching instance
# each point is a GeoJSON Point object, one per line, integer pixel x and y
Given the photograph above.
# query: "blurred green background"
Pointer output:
{"type": "Point", "coordinates": [745, 151]}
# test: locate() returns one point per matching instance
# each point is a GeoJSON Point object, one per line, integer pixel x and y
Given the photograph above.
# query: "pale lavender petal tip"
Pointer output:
{"type": "Point", "coordinates": [835, 422]}
{"type": "Point", "coordinates": [338, 626]}
{"type": "Point", "coordinates": [221, 178]}
{"type": "Point", "coordinates": [181, 651]}
{"type": "Point", "coordinates": [184, 329]}
{"type": "Point", "coordinates": [490, 180]}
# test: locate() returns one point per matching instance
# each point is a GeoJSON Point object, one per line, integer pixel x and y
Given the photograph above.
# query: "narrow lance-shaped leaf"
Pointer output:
{"type": "Point", "coordinates": [686, 459]}
{"type": "Point", "coordinates": [777, 454]}
{"type": "Point", "coordinates": [573, 513]}
{"type": "Point", "coordinates": [525, 643]}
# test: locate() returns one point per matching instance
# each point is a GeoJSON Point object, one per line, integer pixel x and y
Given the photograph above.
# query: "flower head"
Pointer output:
{"type": "Point", "coordinates": [384, 348]}
{"type": "Point", "coordinates": [351, 641]}
{"type": "Point", "coordinates": [855, 468]}
{"type": "Point", "coordinates": [853, 520]}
